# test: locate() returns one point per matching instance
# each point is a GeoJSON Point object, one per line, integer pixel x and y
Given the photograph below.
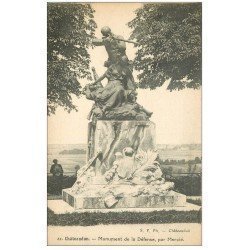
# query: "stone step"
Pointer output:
{"type": "Point", "coordinates": [172, 199]}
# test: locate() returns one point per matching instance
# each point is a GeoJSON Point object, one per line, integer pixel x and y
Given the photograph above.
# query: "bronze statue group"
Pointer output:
{"type": "Point", "coordinates": [117, 100]}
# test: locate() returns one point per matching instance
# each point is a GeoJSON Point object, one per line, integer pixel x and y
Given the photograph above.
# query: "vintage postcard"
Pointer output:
{"type": "Point", "coordinates": [124, 123]}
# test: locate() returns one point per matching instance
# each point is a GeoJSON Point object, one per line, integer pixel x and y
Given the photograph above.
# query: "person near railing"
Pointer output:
{"type": "Point", "coordinates": [57, 171]}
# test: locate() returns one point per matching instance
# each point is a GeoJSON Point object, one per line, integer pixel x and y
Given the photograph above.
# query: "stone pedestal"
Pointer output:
{"type": "Point", "coordinates": [110, 137]}
{"type": "Point", "coordinates": [94, 190]}
{"type": "Point", "coordinates": [172, 199]}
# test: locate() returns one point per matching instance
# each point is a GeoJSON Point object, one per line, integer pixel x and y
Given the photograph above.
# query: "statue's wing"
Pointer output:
{"type": "Point", "coordinates": [147, 159]}
{"type": "Point", "coordinates": [151, 155]}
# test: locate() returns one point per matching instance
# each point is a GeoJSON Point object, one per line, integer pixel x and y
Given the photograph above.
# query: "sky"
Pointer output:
{"type": "Point", "coordinates": [177, 114]}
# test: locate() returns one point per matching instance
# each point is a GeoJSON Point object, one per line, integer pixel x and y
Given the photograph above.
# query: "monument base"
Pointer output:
{"type": "Point", "coordinates": [171, 199]}
{"type": "Point", "coordinates": [110, 137]}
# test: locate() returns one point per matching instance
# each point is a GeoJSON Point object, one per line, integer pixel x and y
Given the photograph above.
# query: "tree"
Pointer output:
{"type": "Point", "coordinates": [169, 45]}
{"type": "Point", "coordinates": [70, 29]}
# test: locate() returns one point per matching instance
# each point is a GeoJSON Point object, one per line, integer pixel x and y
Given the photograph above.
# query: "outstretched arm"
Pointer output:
{"type": "Point", "coordinates": [97, 42]}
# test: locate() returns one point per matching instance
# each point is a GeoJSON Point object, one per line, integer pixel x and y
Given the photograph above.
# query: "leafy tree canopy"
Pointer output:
{"type": "Point", "coordinates": [169, 37]}
{"type": "Point", "coordinates": [70, 28]}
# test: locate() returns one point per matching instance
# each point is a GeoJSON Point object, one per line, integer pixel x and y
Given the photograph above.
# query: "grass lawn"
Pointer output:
{"type": "Point", "coordinates": [155, 217]}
